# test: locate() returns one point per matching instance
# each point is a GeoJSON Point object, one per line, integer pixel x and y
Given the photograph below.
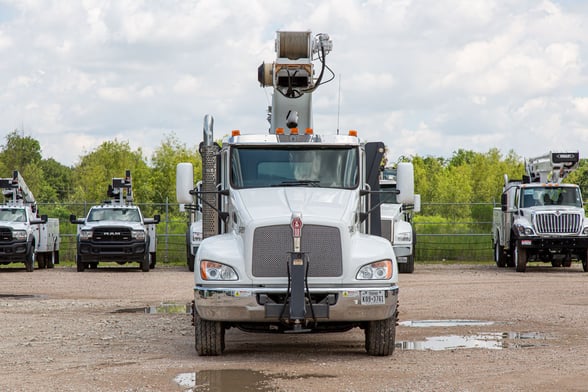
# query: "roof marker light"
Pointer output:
{"type": "Point", "coordinates": [279, 131]}
{"type": "Point", "coordinates": [294, 131]}
{"type": "Point", "coordinates": [235, 132]}
{"type": "Point", "coordinates": [308, 131]}
{"type": "Point", "coordinates": [353, 132]}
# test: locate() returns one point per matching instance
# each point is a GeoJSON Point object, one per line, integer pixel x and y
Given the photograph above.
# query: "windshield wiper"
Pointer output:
{"type": "Point", "coordinates": [298, 183]}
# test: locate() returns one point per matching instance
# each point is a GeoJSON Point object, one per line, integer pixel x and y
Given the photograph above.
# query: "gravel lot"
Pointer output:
{"type": "Point", "coordinates": [69, 331]}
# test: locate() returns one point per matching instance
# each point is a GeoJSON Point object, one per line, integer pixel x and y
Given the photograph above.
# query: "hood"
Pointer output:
{"type": "Point", "coordinates": [113, 223]}
{"type": "Point", "coordinates": [276, 205]}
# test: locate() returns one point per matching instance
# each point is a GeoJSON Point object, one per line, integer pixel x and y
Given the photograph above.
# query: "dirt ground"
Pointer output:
{"type": "Point", "coordinates": [69, 331]}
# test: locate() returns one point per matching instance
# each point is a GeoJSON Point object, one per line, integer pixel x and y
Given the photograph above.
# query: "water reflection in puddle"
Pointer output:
{"type": "Point", "coordinates": [224, 380]}
{"type": "Point", "coordinates": [487, 340]}
{"type": "Point", "coordinates": [444, 323]}
{"type": "Point", "coordinates": [163, 308]}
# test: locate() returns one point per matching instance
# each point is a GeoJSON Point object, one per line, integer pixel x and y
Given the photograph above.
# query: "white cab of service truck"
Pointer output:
{"type": "Point", "coordinates": [287, 220]}
{"type": "Point", "coordinates": [397, 219]}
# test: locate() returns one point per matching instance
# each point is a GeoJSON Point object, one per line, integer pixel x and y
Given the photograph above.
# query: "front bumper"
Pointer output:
{"type": "Point", "coordinates": [243, 304]}
{"type": "Point", "coordinates": [13, 250]}
{"type": "Point", "coordinates": [91, 251]}
{"type": "Point", "coordinates": [554, 243]}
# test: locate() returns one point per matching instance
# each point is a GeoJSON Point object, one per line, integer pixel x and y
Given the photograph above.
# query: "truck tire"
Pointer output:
{"type": "Point", "coordinates": [520, 258]}
{"type": "Point", "coordinates": [403, 268]}
{"type": "Point", "coordinates": [145, 262]}
{"type": "Point", "coordinates": [30, 259]}
{"type": "Point", "coordinates": [190, 262]}
{"type": "Point", "coordinates": [380, 336]}
{"type": "Point", "coordinates": [53, 259]}
{"type": "Point", "coordinates": [584, 259]}
{"type": "Point", "coordinates": [41, 260]}
{"type": "Point", "coordinates": [153, 260]}
{"type": "Point", "coordinates": [209, 336]}
{"type": "Point", "coordinates": [81, 266]}
{"type": "Point", "coordinates": [499, 256]}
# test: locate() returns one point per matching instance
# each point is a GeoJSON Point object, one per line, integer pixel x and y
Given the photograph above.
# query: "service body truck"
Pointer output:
{"type": "Point", "coordinates": [24, 236]}
{"type": "Point", "coordinates": [540, 218]}
{"type": "Point", "coordinates": [397, 225]}
{"type": "Point", "coordinates": [292, 241]}
{"type": "Point", "coordinates": [116, 231]}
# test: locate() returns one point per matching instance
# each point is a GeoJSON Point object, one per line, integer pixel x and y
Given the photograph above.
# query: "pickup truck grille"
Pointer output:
{"type": "Point", "coordinates": [108, 234]}
{"type": "Point", "coordinates": [5, 234]}
{"type": "Point", "coordinates": [322, 245]}
{"type": "Point", "coordinates": [558, 223]}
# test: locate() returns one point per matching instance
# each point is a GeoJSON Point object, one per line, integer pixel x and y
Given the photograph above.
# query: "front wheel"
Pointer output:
{"type": "Point", "coordinates": [520, 256]}
{"type": "Point", "coordinates": [209, 336]}
{"type": "Point", "coordinates": [80, 264]}
{"type": "Point", "coordinates": [145, 262]}
{"type": "Point", "coordinates": [584, 259]}
{"type": "Point", "coordinates": [403, 268]}
{"type": "Point", "coordinates": [30, 259]}
{"type": "Point", "coordinates": [380, 336]}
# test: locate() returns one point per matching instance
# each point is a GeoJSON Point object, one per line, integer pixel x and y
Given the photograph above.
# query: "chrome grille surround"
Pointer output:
{"type": "Point", "coordinates": [557, 222]}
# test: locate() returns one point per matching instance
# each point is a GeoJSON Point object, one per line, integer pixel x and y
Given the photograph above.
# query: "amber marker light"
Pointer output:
{"type": "Point", "coordinates": [308, 131]}
{"type": "Point", "coordinates": [235, 132]}
{"type": "Point", "coordinates": [352, 132]}
{"type": "Point", "coordinates": [294, 131]}
{"type": "Point", "coordinates": [279, 131]}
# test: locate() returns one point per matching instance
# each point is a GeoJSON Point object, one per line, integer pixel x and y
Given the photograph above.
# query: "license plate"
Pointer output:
{"type": "Point", "coordinates": [373, 297]}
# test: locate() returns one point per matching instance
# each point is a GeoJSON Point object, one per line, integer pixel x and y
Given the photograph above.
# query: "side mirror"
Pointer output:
{"type": "Point", "coordinates": [503, 202]}
{"type": "Point", "coordinates": [184, 183]}
{"type": "Point", "coordinates": [405, 183]}
{"type": "Point", "coordinates": [156, 218]}
{"type": "Point", "coordinates": [44, 218]}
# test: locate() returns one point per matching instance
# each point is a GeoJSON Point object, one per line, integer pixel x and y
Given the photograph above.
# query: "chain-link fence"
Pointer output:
{"type": "Point", "coordinates": [437, 239]}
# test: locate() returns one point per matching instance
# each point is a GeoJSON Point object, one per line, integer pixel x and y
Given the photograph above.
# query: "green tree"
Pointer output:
{"type": "Point", "coordinates": [164, 161]}
{"type": "Point", "coordinates": [94, 172]}
{"type": "Point", "coordinates": [23, 153]}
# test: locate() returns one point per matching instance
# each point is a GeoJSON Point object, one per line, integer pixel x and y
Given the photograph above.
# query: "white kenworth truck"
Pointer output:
{"type": "Point", "coordinates": [540, 218]}
{"type": "Point", "coordinates": [292, 241]}
{"type": "Point", "coordinates": [397, 225]}
{"type": "Point", "coordinates": [24, 237]}
{"type": "Point", "coordinates": [116, 231]}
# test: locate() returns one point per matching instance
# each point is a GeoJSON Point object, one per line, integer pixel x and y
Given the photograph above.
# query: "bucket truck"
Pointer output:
{"type": "Point", "coordinates": [540, 218]}
{"type": "Point", "coordinates": [292, 239]}
{"type": "Point", "coordinates": [24, 236]}
{"type": "Point", "coordinates": [116, 231]}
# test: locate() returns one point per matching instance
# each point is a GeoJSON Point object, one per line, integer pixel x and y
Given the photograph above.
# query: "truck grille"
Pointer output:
{"type": "Point", "coordinates": [5, 234]}
{"type": "Point", "coordinates": [558, 223]}
{"type": "Point", "coordinates": [107, 234]}
{"type": "Point", "coordinates": [322, 245]}
{"type": "Point", "coordinates": [387, 229]}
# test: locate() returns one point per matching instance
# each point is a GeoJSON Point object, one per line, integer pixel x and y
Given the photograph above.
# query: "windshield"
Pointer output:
{"type": "Point", "coordinates": [326, 167]}
{"type": "Point", "coordinates": [13, 215]}
{"type": "Point", "coordinates": [552, 196]}
{"type": "Point", "coordinates": [114, 214]}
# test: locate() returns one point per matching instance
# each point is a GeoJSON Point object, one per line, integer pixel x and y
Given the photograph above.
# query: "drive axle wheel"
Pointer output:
{"type": "Point", "coordinates": [499, 256]}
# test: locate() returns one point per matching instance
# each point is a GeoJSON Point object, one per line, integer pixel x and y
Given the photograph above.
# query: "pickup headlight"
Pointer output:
{"type": "Point", "coordinates": [210, 270]}
{"type": "Point", "coordinates": [20, 235]}
{"type": "Point", "coordinates": [138, 234]}
{"type": "Point", "coordinates": [380, 270]}
{"type": "Point", "coordinates": [85, 234]}
{"type": "Point", "coordinates": [585, 230]}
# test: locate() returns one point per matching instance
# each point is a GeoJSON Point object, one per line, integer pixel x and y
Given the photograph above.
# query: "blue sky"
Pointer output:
{"type": "Point", "coordinates": [425, 77]}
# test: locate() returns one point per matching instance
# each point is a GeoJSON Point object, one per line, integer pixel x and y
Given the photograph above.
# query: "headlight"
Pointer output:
{"type": "Point", "coordinates": [138, 234]}
{"type": "Point", "coordinates": [379, 270]}
{"type": "Point", "coordinates": [85, 234]}
{"type": "Point", "coordinates": [210, 270]}
{"type": "Point", "coordinates": [404, 236]}
{"type": "Point", "coordinates": [20, 235]}
{"type": "Point", "coordinates": [525, 230]}
{"type": "Point", "coordinates": [585, 230]}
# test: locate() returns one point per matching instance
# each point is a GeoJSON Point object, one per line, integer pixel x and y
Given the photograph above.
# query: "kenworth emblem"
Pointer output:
{"type": "Point", "coordinates": [296, 224]}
